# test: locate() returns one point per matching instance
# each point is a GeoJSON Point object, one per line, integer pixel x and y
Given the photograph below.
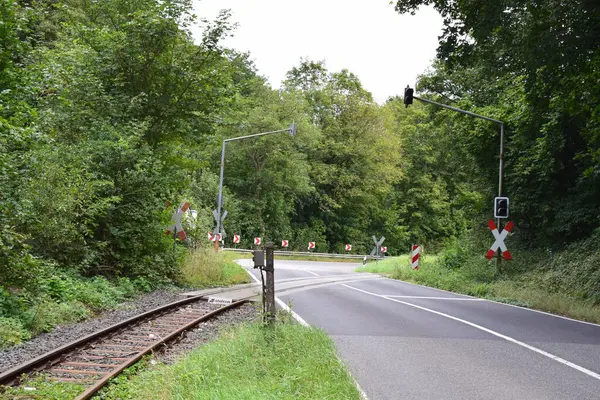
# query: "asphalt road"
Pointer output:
{"type": "Point", "coordinates": [404, 341]}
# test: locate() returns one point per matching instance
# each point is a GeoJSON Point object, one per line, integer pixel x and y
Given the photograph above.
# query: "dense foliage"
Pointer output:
{"type": "Point", "coordinates": [109, 110]}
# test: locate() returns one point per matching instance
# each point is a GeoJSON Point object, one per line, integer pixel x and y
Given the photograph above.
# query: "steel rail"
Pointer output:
{"type": "Point", "coordinates": [38, 364]}
{"type": "Point", "coordinates": [99, 384]}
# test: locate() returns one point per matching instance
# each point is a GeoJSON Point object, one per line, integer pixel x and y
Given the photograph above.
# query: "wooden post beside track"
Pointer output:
{"type": "Point", "coordinates": [269, 295]}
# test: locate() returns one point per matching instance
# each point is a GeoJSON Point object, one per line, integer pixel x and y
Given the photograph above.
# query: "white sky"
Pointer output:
{"type": "Point", "coordinates": [384, 49]}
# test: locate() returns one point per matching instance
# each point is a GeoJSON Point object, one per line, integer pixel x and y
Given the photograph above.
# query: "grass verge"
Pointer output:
{"type": "Point", "coordinates": [206, 268]}
{"type": "Point", "coordinates": [477, 278]}
{"type": "Point", "coordinates": [288, 361]}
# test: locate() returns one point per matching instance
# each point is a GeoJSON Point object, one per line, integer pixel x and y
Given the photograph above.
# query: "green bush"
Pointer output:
{"type": "Point", "coordinates": [43, 317]}
{"type": "Point", "coordinates": [12, 332]}
{"type": "Point", "coordinates": [454, 255]}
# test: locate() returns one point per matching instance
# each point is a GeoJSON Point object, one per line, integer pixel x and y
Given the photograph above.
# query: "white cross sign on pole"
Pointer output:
{"type": "Point", "coordinates": [285, 243]}
{"type": "Point", "coordinates": [499, 240]}
{"type": "Point", "coordinates": [378, 243]}
{"type": "Point", "coordinates": [176, 225]}
{"type": "Point", "coordinates": [257, 241]}
{"type": "Point", "coordinates": [348, 247]}
{"type": "Point", "coordinates": [311, 245]}
{"type": "Point", "coordinates": [236, 239]}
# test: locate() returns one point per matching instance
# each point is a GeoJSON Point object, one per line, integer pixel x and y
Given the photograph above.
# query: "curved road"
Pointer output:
{"type": "Point", "coordinates": [404, 341]}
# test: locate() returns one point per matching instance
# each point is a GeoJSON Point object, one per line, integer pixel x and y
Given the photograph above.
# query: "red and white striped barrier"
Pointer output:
{"type": "Point", "coordinates": [499, 242]}
{"type": "Point", "coordinates": [416, 252]}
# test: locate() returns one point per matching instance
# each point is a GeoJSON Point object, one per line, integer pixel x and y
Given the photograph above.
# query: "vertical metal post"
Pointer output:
{"type": "Point", "coordinates": [220, 198]}
{"type": "Point", "coordinates": [269, 295]}
{"type": "Point", "coordinates": [500, 188]}
{"type": "Point", "coordinates": [175, 239]}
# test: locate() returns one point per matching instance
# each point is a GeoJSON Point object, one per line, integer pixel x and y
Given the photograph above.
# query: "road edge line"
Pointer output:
{"type": "Point", "coordinates": [302, 322]}
{"type": "Point", "coordinates": [497, 302]}
{"type": "Point", "coordinates": [491, 332]}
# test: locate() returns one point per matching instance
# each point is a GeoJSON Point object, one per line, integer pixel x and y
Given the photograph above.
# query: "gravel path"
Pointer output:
{"type": "Point", "coordinates": [206, 331]}
{"type": "Point", "coordinates": [67, 333]}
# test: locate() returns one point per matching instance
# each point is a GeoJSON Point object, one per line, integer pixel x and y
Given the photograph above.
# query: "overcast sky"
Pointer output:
{"type": "Point", "coordinates": [386, 50]}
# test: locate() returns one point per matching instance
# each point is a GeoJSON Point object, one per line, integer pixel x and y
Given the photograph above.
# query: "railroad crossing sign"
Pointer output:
{"type": "Point", "coordinates": [285, 243]}
{"type": "Point", "coordinates": [236, 239]}
{"type": "Point", "coordinates": [383, 249]}
{"type": "Point", "coordinates": [499, 242]}
{"type": "Point", "coordinates": [378, 244]}
{"type": "Point", "coordinates": [216, 215]}
{"type": "Point", "coordinates": [348, 247]}
{"type": "Point", "coordinates": [176, 221]}
{"type": "Point", "coordinates": [311, 245]}
{"type": "Point", "coordinates": [257, 241]}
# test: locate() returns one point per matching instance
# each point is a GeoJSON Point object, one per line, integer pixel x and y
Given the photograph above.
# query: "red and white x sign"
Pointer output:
{"type": "Point", "coordinates": [311, 245]}
{"type": "Point", "coordinates": [257, 241]}
{"type": "Point", "coordinates": [285, 243]}
{"type": "Point", "coordinates": [176, 221]}
{"type": "Point", "coordinates": [499, 243]}
{"type": "Point", "coordinates": [236, 238]}
{"type": "Point", "coordinates": [348, 247]}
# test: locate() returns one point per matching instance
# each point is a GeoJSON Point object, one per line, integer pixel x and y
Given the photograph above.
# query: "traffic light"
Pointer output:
{"type": "Point", "coordinates": [408, 96]}
{"type": "Point", "coordinates": [501, 207]}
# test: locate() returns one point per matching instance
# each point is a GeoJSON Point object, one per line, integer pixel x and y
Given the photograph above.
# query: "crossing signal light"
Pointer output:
{"type": "Point", "coordinates": [501, 207]}
{"type": "Point", "coordinates": [408, 96]}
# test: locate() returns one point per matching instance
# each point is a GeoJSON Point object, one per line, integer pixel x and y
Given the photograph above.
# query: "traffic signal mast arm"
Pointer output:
{"type": "Point", "coordinates": [408, 99]}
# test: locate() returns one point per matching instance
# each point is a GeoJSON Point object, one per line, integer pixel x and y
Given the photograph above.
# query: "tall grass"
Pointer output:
{"type": "Point", "coordinates": [287, 362]}
{"type": "Point", "coordinates": [477, 277]}
{"type": "Point", "coordinates": [206, 268]}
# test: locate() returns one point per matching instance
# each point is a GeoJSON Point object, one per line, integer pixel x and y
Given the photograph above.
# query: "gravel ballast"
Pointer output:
{"type": "Point", "coordinates": [62, 335]}
{"type": "Point", "coordinates": [206, 331]}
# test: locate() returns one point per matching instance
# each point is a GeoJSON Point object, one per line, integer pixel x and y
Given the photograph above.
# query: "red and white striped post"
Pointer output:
{"type": "Point", "coordinates": [416, 252]}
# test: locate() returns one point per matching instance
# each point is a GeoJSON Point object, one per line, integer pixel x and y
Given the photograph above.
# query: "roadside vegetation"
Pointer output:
{"type": "Point", "coordinates": [61, 297]}
{"type": "Point", "coordinates": [207, 268]}
{"type": "Point", "coordinates": [532, 279]}
{"type": "Point", "coordinates": [287, 361]}
{"type": "Point", "coordinates": [112, 113]}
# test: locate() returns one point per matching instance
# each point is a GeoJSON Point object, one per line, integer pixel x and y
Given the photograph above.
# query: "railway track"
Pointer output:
{"type": "Point", "coordinates": [92, 361]}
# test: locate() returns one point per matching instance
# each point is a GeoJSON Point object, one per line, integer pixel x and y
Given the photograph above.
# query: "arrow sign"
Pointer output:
{"type": "Point", "coordinates": [499, 240]}
{"type": "Point", "coordinates": [311, 245]}
{"type": "Point", "coordinates": [383, 249]}
{"type": "Point", "coordinates": [378, 244]}
{"type": "Point", "coordinates": [176, 221]}
{"type": "Point", "coordinates": [285, 243]}
{"type": "Point", "coordinates": [236, 238]}
{"type": "Point", "coordinates": [216, 215]}
{"type": "Point", "coordinates": [348, 247]}
{"type": "Point", "coordinates": [257, 241]}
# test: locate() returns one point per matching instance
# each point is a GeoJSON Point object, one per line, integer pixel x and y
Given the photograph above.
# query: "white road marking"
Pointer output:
{"type": "Point", "coordinates": [310, 272]}
{"type": "Point", "coordinates": [302, 322]}
{"type": "Point", "coordinates": [507, 338]}
{"type": "Point", "coordinates": [497, 302]}
{"type": "Point", "coordinates": [433, 298]}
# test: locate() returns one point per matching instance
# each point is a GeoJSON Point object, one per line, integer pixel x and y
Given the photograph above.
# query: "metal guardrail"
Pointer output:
{"type": "Point", "coordinates": [309, 254]}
